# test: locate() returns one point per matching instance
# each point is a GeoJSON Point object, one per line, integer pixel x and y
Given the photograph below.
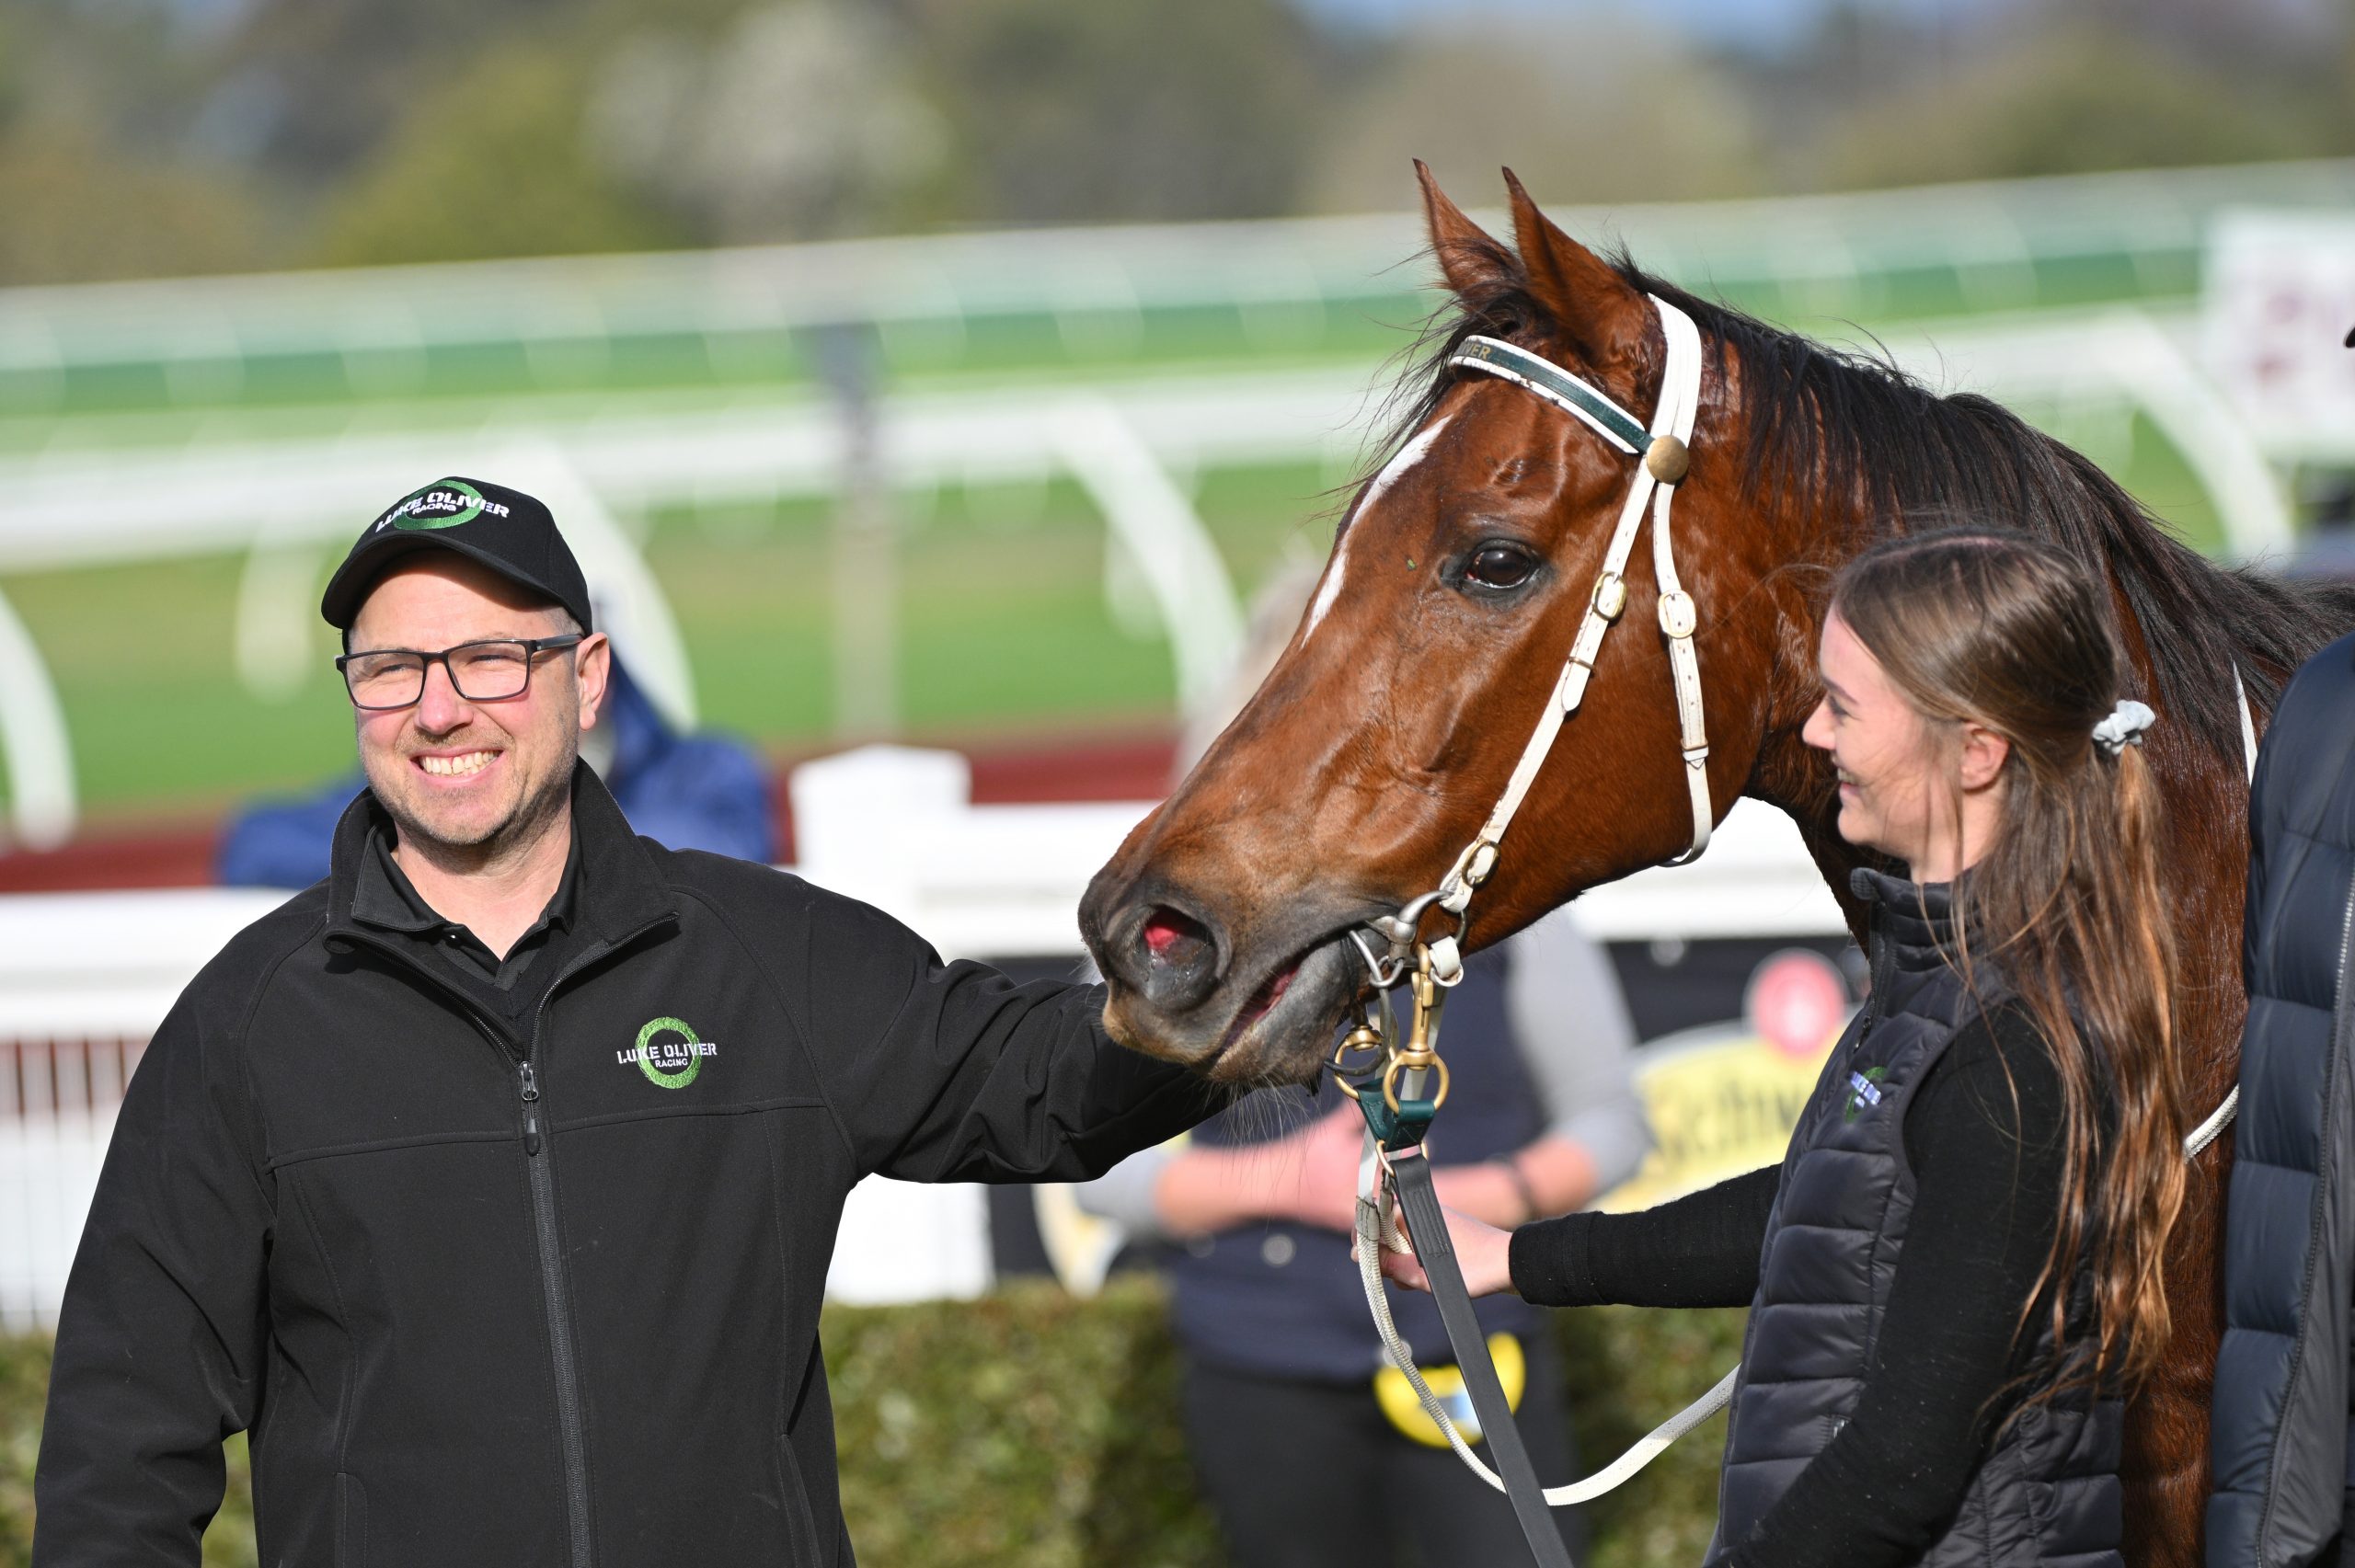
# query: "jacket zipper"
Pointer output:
{"type": "Point", "coordinates": [1882, 962]}
{"type": "Point", "coordinates": [531, 1111]}
{"type": "Point", "coordinates": [572, 1431]}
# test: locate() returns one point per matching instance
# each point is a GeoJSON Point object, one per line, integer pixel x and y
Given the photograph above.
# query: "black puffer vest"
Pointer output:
{"type": "Point", "coordinates": [2046, 1493]}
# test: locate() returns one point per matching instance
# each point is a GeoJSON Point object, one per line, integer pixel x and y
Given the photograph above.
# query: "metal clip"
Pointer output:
{"type": "Point", "coordinates": [1678, 616]}
{"type": "Point", "coordinates": [1610, 595]}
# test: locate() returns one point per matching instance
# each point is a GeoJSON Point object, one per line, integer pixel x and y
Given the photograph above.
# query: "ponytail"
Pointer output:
{"type": "Point", "coordinates": [2067, 901]}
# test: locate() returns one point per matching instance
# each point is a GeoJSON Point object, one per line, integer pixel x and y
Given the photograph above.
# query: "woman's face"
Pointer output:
{"type": "Point", "coordinates": [1893, 795]}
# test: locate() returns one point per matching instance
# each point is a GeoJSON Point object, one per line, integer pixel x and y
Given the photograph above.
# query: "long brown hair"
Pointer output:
{"type": "Point", "coordinates": [2066, 901]}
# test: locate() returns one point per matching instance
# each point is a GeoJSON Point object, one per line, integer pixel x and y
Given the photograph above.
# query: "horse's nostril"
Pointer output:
{"type": "Point", "coordinates": [1174, 940]}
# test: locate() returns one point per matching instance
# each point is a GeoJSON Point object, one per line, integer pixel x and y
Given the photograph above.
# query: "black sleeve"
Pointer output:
{"type": "Point", "coordinates": [951, 1072]}
{"type": "Point", "coordinates": [1984, 1136]}
{"type": "Point", "coordinates": [1698, 1251]}
{"type": "Point", "coordinates": [161, 1342]}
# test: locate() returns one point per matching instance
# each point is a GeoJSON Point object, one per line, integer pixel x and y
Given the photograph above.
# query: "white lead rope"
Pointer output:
{"type": "Point", "coordinates": [1377, 1228]}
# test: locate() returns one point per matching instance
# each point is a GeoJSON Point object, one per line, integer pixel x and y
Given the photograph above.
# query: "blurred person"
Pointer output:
{"type": "Point", "coordinates": [1285, 1388]}
{"type": "Point", "coordinates": [489, 1184]}
{"type": "Point", "coordinates": [2282, 1434]}
{"type": "Point", "coordinates": [685, 792]}
{"type": "Point", "coordinates": [1956, 1271]}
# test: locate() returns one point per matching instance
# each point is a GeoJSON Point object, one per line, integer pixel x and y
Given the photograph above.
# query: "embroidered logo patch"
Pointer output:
{"type": "Point", "coordinates": [1864, 1089]}
{"type": "Point", "coordinates": [668, 1063]}
{"type": "Point", "coordinates": [446, 505]}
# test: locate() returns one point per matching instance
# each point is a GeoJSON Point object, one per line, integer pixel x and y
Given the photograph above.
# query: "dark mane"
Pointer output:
{"type": "Point", "coordinates": [1854, 428]}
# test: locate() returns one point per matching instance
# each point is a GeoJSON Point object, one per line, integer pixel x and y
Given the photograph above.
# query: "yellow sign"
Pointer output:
{"type": "Point", "coordinates": [1722, 1100]}
{"type": "Point", "coordinates": [1407, 1412]}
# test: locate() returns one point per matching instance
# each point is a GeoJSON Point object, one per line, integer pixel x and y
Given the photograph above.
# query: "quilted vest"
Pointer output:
{"type": "Point", "coordinates": [2046, 1492]}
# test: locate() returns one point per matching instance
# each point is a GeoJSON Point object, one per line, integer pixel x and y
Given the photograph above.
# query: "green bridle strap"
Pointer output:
{"type": "Point", "coordinates": [1556, 386]}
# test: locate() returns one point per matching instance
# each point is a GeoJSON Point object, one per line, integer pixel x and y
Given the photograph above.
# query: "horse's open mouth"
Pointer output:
{"type": "Point", "coordinates": [1281, 1032]}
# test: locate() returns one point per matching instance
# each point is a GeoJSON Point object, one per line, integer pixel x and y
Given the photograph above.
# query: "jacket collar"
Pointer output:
{"type": "Point", "coordinates": [1916, 918]}
{"type": "Point", "coordinates": [619, 893]}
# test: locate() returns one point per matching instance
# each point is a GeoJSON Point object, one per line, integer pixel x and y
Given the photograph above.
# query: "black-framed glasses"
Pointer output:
{"type": "Point", "coordinates": [488, 671]}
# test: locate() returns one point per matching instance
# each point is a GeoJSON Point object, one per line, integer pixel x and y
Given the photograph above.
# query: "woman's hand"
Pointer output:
{"type": "Point", "coordinates": [1482, 1251]}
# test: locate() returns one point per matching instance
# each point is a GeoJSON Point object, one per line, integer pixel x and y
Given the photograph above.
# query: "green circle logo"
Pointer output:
{"type": "Point", "coordinates": [456, 493]}
{"type": "Point", "coordinates": [674, 1063]}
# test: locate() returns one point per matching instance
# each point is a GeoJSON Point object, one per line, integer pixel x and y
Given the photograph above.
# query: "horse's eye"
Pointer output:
{"type": "Point", "coordinates": [1500, 566]}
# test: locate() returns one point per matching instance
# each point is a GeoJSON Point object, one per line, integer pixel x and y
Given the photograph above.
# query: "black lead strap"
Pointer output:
{"type": "Point", "coordinates": [1436, 1249]}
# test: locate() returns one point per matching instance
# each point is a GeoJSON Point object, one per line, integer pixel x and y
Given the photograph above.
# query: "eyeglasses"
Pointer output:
{"type": "Point", "coordinates": [488, 671]}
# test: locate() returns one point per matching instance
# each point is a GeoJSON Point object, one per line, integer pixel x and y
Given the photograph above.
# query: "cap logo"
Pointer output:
{"type": "Point", "coordinates": [445, 504]}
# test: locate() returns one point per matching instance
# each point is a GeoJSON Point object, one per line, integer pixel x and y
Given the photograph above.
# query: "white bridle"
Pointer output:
{"type": "Point", "coordinates": [1663, 448]}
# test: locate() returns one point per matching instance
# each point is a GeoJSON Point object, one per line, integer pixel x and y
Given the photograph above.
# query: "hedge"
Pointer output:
{"type": "Point", "coordinates": [1033, 1429]}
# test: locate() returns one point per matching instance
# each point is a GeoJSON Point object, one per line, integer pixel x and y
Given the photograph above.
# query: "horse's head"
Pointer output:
{"type": "Point", "coordinates": [1386, 731]}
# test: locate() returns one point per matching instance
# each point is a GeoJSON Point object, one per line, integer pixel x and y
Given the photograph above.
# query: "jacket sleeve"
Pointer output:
{"type": "Point", "coordinates": [951, 1072]}
{"type": "Point", "coordinates": [2278, 1432]}
{"type": "Point", "coordinates": [162, 1338]}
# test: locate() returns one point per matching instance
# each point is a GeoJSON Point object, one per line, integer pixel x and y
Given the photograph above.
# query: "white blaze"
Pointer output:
{"type": "Point", "coordinates": [1391, 472]}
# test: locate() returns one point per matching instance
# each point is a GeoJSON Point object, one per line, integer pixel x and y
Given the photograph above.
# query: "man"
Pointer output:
{"type": "Point", "coordinates": [490, 1184]}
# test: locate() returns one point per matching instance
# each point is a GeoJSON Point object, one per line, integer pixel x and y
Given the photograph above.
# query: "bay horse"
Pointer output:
{"type": "Point", "coordinates": [1387, 729]}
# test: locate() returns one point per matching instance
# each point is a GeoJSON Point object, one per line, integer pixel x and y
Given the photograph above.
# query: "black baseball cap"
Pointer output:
{"type": "Point", "coordinates": [506, 530]}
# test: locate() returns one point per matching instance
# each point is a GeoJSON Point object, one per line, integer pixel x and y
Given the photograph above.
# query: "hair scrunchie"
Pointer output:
{"type": "Point", "coordinates": [2124, 726]}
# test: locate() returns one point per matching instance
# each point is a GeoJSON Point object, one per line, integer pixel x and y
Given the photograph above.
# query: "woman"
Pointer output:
{"type": "Point", "coordinates": [1955, 1271]}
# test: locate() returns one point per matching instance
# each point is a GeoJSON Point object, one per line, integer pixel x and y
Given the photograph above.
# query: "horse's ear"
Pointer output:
{"type": "Point", "coordinates": [1595, 307]}
{"type": "Point", "coordinates": [1472, 261]}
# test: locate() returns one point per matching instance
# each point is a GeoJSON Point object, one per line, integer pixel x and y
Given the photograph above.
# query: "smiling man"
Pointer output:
{"type": "Point", "coordinates": [490, 1184]}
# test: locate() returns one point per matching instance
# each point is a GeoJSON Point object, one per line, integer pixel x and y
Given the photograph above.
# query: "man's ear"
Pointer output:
{"type": "Point", "coordinates": [592, 666]}
{"type": "Point", "coordinates": [1983, 755]}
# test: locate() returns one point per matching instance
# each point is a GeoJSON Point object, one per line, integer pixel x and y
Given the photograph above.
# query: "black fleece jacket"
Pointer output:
{"type": "Point", "coordinates": [489, 1294]}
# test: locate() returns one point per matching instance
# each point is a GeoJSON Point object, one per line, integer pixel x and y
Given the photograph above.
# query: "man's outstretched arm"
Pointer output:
{"type": "Point", "coordinates": [952, 1072]}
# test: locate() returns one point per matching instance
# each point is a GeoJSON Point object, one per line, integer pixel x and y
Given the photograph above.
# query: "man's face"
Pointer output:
{"type": "Point", "coordinates": [473, 775]}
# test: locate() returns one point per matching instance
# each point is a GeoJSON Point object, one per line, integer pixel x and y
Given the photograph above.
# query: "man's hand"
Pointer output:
{"type": "Point", "coordinates": [1319, 1181]}
{"type": "Point", "coordinates": [1309, 1176]}
{"type": "Point", "coordinates": [1482, 1251]}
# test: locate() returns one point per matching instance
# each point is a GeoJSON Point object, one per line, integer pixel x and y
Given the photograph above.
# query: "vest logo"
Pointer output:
{"type": "Point", "coordinates": [1864, 1089]}
{"type": "Point", "coordinates": [445, 504]}
{"type": "Point", "coordinates": [668, 1063]}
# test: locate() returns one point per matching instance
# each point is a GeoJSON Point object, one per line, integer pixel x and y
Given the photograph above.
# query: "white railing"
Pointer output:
{"type": "Point", "coordinates": [86, 978]}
